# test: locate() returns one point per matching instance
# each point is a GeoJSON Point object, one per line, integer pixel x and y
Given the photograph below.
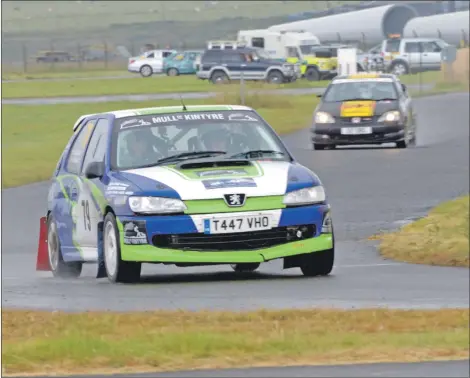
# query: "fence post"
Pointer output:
{"type": "Point", "coordinates": [25, 58]}
{"type": "Point", "coordinates": [79, 55]}
{"type": "Point", "coordinates": [242, 86]}
{"type": "Point", "coordinates": [52, 66]}
{"type": "Point", "coordinates": [105, 55]}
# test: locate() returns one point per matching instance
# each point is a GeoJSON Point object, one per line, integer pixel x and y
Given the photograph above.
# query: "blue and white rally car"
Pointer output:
{"type": "Point", "coordinates": [196, 185]}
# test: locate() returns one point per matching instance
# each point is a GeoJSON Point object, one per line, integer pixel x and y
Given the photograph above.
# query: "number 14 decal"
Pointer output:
{"type": "Point", "coordinates": [86, 215]}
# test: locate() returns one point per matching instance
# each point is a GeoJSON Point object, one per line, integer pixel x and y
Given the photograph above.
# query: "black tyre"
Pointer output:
{"type": "Point", "coordinates": [246, 267]}
{"type": "Point", "coordinates": [318, 146]}
{"type": "Point", "coordinates": [318, 263]}
{"type": "Point", "coordinates": [172, 72]}
{"type": "Point", "coordinates": [219, 77]}
{"type": "Point", "coordinates": [399, 68]}
{"type": "Point", "coordinates": [275, 77]}
{"type": "Point", "coordinates": [117, 270]}
{"type": "Point", "coordinates": [59, 267]}
{"type": "Point", "coordinates": [146, 71]}
{"type": "Point", "coordinates": [312, 74]}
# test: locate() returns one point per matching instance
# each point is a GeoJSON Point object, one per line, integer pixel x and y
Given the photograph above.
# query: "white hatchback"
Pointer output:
{"type": "Point", "coordinates": [149, 63]}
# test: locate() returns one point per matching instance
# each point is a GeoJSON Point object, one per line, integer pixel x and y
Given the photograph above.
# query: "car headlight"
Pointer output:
{"type": "Point", "coordinates": [156, 205]}
{"type": "Point", "coordinates": [323, 117]}
{"type": "Point", "coordinates": [306, 196]}
{"type": "Point", "coordinates": [392, 116]}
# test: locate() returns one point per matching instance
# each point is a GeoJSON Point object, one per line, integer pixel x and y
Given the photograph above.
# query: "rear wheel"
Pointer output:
{"type": "Point", "coordinates": [318, 146]}
{"type": "Point", "coordinates": [146, 71]}
{"type": "Point", "coordinates": [275, 77]}
{"type": "Point", "coordinates": [117, 270]}
{"type": "Point", "coordinates": [246, 267]}
{"type": "Point", "coordinates": [318, 263]}
{"type": "Point", "coordinates": [312, 74]}
{"type": "Point", "coordinates": [59, 267]}
{"type": "Point", "coordinates": [219, 77]}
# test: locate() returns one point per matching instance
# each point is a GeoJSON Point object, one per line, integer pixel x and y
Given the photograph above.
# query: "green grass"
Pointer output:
{"type": "Point", "coordinates": [440, 238]}
{"type": "Point", "coordinates": [27, 16]}
{"type": "Point", "coordinates": [33, 137]}
{"type": "Point", "coordinates": [64, 343]}
{"type": "Point", "coordinates": [139, 85]}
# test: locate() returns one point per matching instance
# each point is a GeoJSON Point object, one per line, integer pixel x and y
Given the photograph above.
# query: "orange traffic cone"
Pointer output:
{"type": "Point", "coordinates": [42, 262]}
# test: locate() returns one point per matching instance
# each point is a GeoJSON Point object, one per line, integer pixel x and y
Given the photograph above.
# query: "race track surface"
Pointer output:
{"type": "Point", "coordinates": [369, 190]}
{"type": "Point", "coordinates": [395, 370]}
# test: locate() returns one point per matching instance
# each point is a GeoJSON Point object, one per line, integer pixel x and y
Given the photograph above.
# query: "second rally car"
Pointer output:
{"type": "Point", "coordinates": [364, 109]}
{"type": "Point", "coordinates": [198, 185]}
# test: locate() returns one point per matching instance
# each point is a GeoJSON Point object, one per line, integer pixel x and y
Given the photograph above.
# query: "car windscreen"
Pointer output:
{"type": "Point", "coordinates": [361, 89]}
{"type": "Point", "coordinates": [148, 140]}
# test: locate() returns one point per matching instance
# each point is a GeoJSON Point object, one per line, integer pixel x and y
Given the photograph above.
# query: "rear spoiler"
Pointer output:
{"type": "Point", "coordinates": [80, 120]}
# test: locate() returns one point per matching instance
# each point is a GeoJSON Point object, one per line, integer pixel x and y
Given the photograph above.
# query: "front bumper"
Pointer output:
{"type": "Point", "coordinates": [331, 135]}
{"type": "Point", "coordinates": [181, 238]}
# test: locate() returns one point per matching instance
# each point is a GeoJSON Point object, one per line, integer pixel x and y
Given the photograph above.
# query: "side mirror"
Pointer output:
{"type": "Point", "coordinates": [319, 95]}
{"type": "Point", "coordinates": [94, 170]}
{"type": "Point", "coordinates": [403, 87]}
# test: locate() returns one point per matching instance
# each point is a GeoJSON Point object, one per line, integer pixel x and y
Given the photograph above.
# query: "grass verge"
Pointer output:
{"type": "Point", "coordinates": [38, 134]}
{"type": "Point", "coordinates": [440, 238]}
{"type": "Point", "coordinates": [65, 343]}
{"type": "Point", "coordinates": [157, 84]}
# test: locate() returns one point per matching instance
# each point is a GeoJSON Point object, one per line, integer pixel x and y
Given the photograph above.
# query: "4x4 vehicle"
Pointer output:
{"type": "Point", "coordinates": [407, 55]}
{"type": "Point", "coordinates": [221, 65]}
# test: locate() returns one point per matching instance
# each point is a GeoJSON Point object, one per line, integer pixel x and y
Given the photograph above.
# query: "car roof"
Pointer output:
{"type": "Point", "coordinates": [160, 110]}
{"type": "Point", "coordinates": [366, 75]}
{"type": "Point", "coordinates": [238, 50]}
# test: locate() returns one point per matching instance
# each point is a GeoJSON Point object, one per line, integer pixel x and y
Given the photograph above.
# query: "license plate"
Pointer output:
{"type": "Point", "coordinates": [356, 130]}
{"type": "Point", "coordinates": [237, 224]}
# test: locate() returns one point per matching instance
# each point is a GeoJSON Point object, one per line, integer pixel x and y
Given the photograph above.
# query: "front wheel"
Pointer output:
{"type": "Point", "coordinates": [318, 263]}
{"type": "Point", "coordinates": [117, 270]}
{"type": "Point", "coordinates": [275, 77]}
{"type": "Point", "coordinates": [146, 71]}
{"type": "Point", "coordinates": [58, 266]}
{"type": "Point", "coordinates": [172, 72]}
{"type": "Point", "coordinates": [312, 74]}
{"type": "Point", "coordinates": [246, 267]}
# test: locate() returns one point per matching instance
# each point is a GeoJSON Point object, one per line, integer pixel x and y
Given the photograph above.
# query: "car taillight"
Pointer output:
{"type": "Point", "coordinates": [131, 61]}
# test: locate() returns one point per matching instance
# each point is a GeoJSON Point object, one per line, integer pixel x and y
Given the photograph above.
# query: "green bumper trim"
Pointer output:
{"type": "Point", "coordinates": [219, 206]}
{"type": "Point", "coordinates": [149, 253]}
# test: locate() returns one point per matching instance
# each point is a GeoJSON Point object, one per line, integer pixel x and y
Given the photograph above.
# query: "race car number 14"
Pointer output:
{"type": "Point", "coordinates": [237, 224]}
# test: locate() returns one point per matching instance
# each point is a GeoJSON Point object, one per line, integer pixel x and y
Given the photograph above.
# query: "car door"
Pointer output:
{"type": "Point", "coordinates": [156, 61]}
{"type": "Point", "coordinates": [234, 62]}
{"type": "Point", "coordinates": [70, 226]}
{"type": "Point", "coordinates": [431, 56]}
{"type": "Point", "coordinates": [406, 106]}
{"type": "Point", "coordinates": [91, 201]}
{"type": "Point", "coordinates": [412, 54]}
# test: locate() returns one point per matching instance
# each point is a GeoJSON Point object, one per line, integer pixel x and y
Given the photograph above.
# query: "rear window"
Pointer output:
{"type": "Point", "coordinates": [211, 55]}
{"type": "Point", "coordinates": [392, 45]}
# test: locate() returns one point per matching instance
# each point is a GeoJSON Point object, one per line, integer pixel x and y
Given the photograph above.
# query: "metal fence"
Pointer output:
{"type": "Point", "coordinates": [28, 56]}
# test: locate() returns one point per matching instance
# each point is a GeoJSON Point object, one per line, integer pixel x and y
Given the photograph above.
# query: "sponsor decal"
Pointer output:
{"type": "Point", "coordinates": [135, 122]}
{"type": "Point", "coordinates": [117, 189]}
{"type": "Point", "coordinates": [154, 119]}
{"type": "Point", "coordinates": [221, 172]}
{"type": "Point", "coordinates": [235, 200]}
{"type": "Point", "coordinates": [135, 232]}
{"type": "Point", "coordinates": [358, 108]}
{"type": "Point", "coordinates": [229, 183]}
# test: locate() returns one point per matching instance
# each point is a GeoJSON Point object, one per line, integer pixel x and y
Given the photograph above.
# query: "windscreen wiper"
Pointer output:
{"type": "Point", "coordinates": [257, 152]}
{"type": "Point", "coordinates": [188, 155]}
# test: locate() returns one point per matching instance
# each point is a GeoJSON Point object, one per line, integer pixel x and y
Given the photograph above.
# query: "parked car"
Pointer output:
{"type": "Point", "coordinates": [181, 63]}
{"type": "Point", "coordinates": [407, 55]}
{"type": "Point", "coordinates": [149, 63]}
{"type": "Point", "coordinates": [53, 56]}
{"type": "Point", "coordinates": [221, 65]}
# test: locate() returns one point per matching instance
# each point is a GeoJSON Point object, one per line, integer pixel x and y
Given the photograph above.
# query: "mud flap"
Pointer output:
{"type": "Point", "coordinates": [101, 272]}
{"type": "Point", "coordinates": [42, 261]}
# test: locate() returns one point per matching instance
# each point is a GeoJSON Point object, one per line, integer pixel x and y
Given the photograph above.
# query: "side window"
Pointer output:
{"type": "Point", "coordinates": [167, 53]}
{"type": "Point", "coordinates": [429, 47]}
{"type": "Point", "coordinates": [151, 55]}
{"type": "Point", "coordinates": [233, 58]}
{"type": "Point", "coordinates": [412, 47]}
{"type": "Point", "coordinates": [292, 52]}
{"type": "Point", "coordinates": [97, 147]}
{"type": "Point", "coordinates": [257, 42]}
{"type": "Point", "coordinates": [192, 56]}
{"type": "Point", "coordinates": [392, 45]}
{"type": "Point", "coordinates": [75, 157]}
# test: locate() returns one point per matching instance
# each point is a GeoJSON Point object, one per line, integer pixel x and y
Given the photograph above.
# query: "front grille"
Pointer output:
{"type": "Point", "coordinates": [364, 120]}
{"type": "Point", "coordinates": [235, 241]}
